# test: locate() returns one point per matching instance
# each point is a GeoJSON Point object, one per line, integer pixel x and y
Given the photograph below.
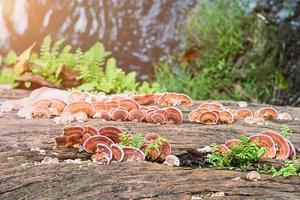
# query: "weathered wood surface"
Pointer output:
{"type": "Point", "coordinates": [21, 179]}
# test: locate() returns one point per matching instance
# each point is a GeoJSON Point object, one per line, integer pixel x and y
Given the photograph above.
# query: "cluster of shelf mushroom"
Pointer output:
{"type": "Point", "coordinates": [68, 106]}
{"type": "Point", "coordinates": [104, 145]}
{"type": "Point", "coordinates": [213, 113]}
{"type": "Point", "coordinates": [278, 147]}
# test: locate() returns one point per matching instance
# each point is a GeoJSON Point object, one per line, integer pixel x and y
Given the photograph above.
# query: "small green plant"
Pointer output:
{"type": "Point", "coordinates": [155, 144]}
{"type": "Point", "coordinates": [241, 156]}
{"type": "Point", "coordinates": [7, 77]}
{"type": "Point", "coordinates": [135, 141]}
{"type": "Point", "coordinates": [11, 58]}
{"type": "Point", "coordinates": [285, 131]}
{"type": "Point", "coordinates": [290, 168]}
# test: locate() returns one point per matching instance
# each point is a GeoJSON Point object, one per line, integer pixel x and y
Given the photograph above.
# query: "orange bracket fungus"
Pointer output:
{"type": "Point", "coordinates": [90, 144]}
{"type": "Point", "coordinates": [208, 117]}
{"type": "Point", "coordinates": [131, 154]}
{"type": "Point", "coordinates": [267, 113]}
{"type": "Point", "coordinates": [174, 99]}
{"type": "Point", "coordinates": [226, 117]}
{"type": "Point", "coordinates": [232, 143]}
{"type": "Point", "coordinates": [243, 113]}
{"type": "Point", "coordinates": [41, 111]}
{"type": "Point", "coordinates": [78, 107]}
{"type": "Point", "coordinates": [112, 132]}
{"type": "Point", "coordinates": [118, 114]}
{"type": "Point", "coordinates": [174, 115]}
{"type": "Point", "coordinates": [158, 118]}
{"type": "Point", "coordinates": [265, 141]}
{"type": "Point", "coordinates": [172, 160]}
{"type": "Point", "coordinates": [136, 115]}
{"type": "Point", "coordinates": [118, 153]}
{"type": "Point", "coordinates": [129, 104]}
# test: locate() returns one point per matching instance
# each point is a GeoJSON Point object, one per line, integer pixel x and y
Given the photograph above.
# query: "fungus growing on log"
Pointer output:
{"type": "Point", "coordinates": [165, 150]}
{"type": "Point", "coordinates": [118, 114]}
{"type": "Point", "coordinates": [208, 117]}
{"type": "Point", "coordinates": [57, 106]}
{"type": "Point", "coordinates": [91, 143]}
{"type": "Point", "coordinates": [146, 99]}
{"type": "Point", "coordinates": [174, 115]}
{"type": "Point", "coordinates": [283, 151]}
{"type": "Point", "coordinates": [136, 115]}
{"type": "Point", "coordinates": [112, 132]}
{"type": "Point", "coordinates": [81, 106]}
{"type": "Point", "coordinates": [149, 137]}
{"type": "Point", "coordinates": [174, 99]}
{"type": "Point", "coordinates": [212, 106]}
{"type": "Point", "coordinates": [148, 117]}
{"type": "Point", "coordinates": [158, 118]}
{"type": "Point", "coordinates": [267, 113]}
{"type": "Point", "coordinates": [292, 155]}
{"type": "Point", "coordinates": [103, 115]}
{"type": "Point", "coordinates": [151, 153]}
{"type": "Point", "coordinates": [104, 149]}
{"type": "Point", "coordinates": [243, 113]}
{"type": "Point", "coordinates": [80, 116]}
{"type": "Point", "coordinates": [131, 154]}
{"type": "Point", "coordinates": [223, 149]}
{"type": "Point", "coordinates": [41, 111]}
{"type": "Point", "coordinates": [253, 176]}
{"type": "Point", "coordinates": [226, 117]}
{"type": "Point", "coordinates": [100, 158]}
{"type": "Point", "coordinates": [172, 160]}
{"type": "Point", "coordinates": [194, 114]}
{"type": "Point", "coordinates": [42, 102]}
{"type": "Point", "coordinates": [285, 116]}
{"type": "Point", "coordinates": [129, 104]}
{"type": "Point", "coordinates": [118, 153]}
{"type": "Point", "coordinates": [265, 141]}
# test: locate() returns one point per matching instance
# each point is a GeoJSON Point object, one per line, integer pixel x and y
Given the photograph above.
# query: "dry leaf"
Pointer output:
{"type": "Point", "coordinates": [22, 61]}
{"type": "Point", "coordinates": [36, 81]}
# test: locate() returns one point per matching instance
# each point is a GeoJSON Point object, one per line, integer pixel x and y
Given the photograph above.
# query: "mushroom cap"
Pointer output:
{"type": "Point", "coordinates": [78, 96]}
{"type": "Point", "coordinates": [265, 141]}
{"type": "Point", "coordinates": [223, 148]}
{"type": "Point", "coordinates": [172, 160]}
{"type": "Point", "coordinates": [58, 104]}
{"type": "Point", "coordinates": [102, 115]}
{"type": "Point", "coordinates": [285, 116]}
{"type": "Point", "coordinates": [90, 144]}
{"type": "Point", "coordinates": [208, 117]}
{"type": "Point", "coordinates": [91, 130]}
{"type": "Point", "coordinates": [243, 113]}
{"type": "Point", "coordinates": [292, 155]}
{"type": "Point", "coordinates": [99, 106]}
{"type": "Point", "coordinates": [118, 97]}
{"type": "Point", "coordinates": [136, 115]}
{"type": "Point", "coordinates": [148, 117]}
{"type": "Point", "coordinates": [267, 113]}
{"type": "Point", "coordinates": [212, 106]}
{"type": "Point", "coordinates": [74, 130]}
{"type": "Point", "coordinates": [41, 111]}
{"type": "Point", "coordinates": [232, 143]}
{"type": "Point", "coordinates": [162, 112]}
{"type": "Point", "coordinates": [165, 149]}
{"type": "Point", "coordinates": [145, 99]}
{"type": "Point", "coordinates": [253, 176]}
{"type": "Point", "coordinates": [80, 106]}
{"type": "Point", "coordinates": [153, 154]}
{"type": "Point", "coordinates": [174, 115]}
{"type": "Point", "coordinates": [149, 137]}
{"type": "Point", "coordinates": [118, 153]}
{"type": "Point", "coordinates": [112, 132]}
{"type": "Point", "coordinates": [69, 141]}
{"type": "Point", "coordinates": [283, 146]}
{"type": "Point", "coordinates": [42, 102]}
{"type": "Point", "coordinates": [119, 114]}
{"type": "Point", "coordinates": [103, 148]}
{"type": "Point", "coordinates": [174, 99]}
{"type": "Point", "coordinates": [226, 117]}
{"type": "Point", "coordinates": [101, 159]}
{"type": "Point", "coordinates": [158, 118]}
{"type": "Point", "coordinates": [131, 153]}
{"type": "Point", "coordinates": [129, 104]}
{"type": "Point", "coordinates": [194, 114]}
{"type": "Point", "coordinates": [111, 105]}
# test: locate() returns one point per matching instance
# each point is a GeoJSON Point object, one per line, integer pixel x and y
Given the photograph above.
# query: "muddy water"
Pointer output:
{"type": "Point", "coordinates": [137, 32]}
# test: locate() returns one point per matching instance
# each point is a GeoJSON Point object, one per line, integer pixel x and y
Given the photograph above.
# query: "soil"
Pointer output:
{"type": "Point", "coordinates": [25, 143]}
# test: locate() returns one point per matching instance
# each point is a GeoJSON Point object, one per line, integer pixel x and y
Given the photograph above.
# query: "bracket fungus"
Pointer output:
{"type": "Point", "coordinates": [151, 153]}
{"type": "Point", "coordinates": [285, 116]}
{"type": "Point", "coordinates": [267, 113]}
{"type": "Point", "coordinates": [172, 160]}
{"type": "Point", "coordinates": [118, 114]}
{"type": "Point", "coordinates": [158, 118]}
{"type": "Point", "coordinates": [149, 137]}
{"type": "Point", "coordinates": [118, 153]}
{"type": "Point", "coordinates": [223, 149]}
{"type": "Point", "coordinates": [226, 117]}
{"type": "Point", "coordinates": [265, 141]}
{"type": "Point", "coordinates": [208, 117]}
{"type": "Point", "coordinates": [253, 176]}
{"type": "Point", "coordinates": [194, 114]}
{"type": "Point", "coordinates": [41, 111]}
{"type": "Point", "coordinates": [102, 115]}
{"type": "Point", "coordinates": [42, 102]}
{"type": "Point", "coordinates": [174, 115]}
{"type": "Point", "coordinates": [243, 113]}
{"type": "Point", "coordinates": [212, 106]}
{"type": "Point", "coordinates": [165, 150]}
{"type": "Point", "coordinates": [91, 143]}
{"type": "Point", "coordinates": [283, 151]}
{"type": "Point", "coordinates": [81, 106]}
{"type": "Point", "coordinates": [174, 99]}
{"type": "Point", "coordinates": [101, 158]}
{"type": "Point", "coordinates": [146, 99]}
{"type": "Point", "coordinates": [129, 104]}
{"type": "Point", "coordinates": [104, 149]}
{"type": "Point", "coordinates": [136, 115]}
{"type": "Point", "coordinates": [292, 150]}
{"type": "Point", "coordinates": [131, 153]}
{"type": "Point", "coordinates": [57, 106]}
{"type": "Point", "coordinates": [112, 132]}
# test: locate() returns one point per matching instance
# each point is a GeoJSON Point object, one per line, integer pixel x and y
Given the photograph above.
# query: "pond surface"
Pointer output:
{"type": "Point", "coordinates": [136, 32]}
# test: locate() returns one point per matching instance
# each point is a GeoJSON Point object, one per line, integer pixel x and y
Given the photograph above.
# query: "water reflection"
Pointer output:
{"type": "Point", "coordinates": [137, 32]}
